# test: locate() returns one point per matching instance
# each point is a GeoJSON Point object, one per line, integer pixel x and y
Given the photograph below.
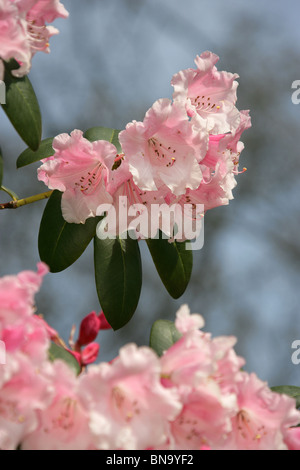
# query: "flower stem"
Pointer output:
{"type": "Point", "coordinates": [23, 202]}
{"type": "Point", "coordinates": [10, 192]}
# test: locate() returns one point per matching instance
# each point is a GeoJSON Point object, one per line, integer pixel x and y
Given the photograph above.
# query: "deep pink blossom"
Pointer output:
{"type": "Point", "coordinates": [17, 295]}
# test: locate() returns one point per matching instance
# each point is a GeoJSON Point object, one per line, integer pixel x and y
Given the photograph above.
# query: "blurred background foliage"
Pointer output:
{"type": "Point", "coordinates": [111, 61]}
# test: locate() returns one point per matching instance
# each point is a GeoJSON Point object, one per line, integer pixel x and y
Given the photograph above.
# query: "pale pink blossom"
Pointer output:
{"type": "Point", "coordinates": [63, 425]}
{"type": "Point", "coordinates": [205, 418]}
{"type": "Point", "coordinates": [197, 357]}
{"type": "Point", "coordinates": [82, 170]}
{"type": "Point", "coordinates": [219, 169]}
{"type": "Point", "coordinates": [185, 321]}
{"type": "Point", "coordinates": [128, 406]}
{"type": "Point", "coordinates": [263, 419]}
{"type": "Point", "coordinates": [26, 392]}
{"type": "Point", "coordinates": [23, 30]}
{"type": "Point", "coordinates": [209, 93]}
{"type": "Point", "coordinates": [200, 368]}
{"type": "Point", "coordinates": [165, 148]}
{"type": "Point", "coordinates": [292, 438]}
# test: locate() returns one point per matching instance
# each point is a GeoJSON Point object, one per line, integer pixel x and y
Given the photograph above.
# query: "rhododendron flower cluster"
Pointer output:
{"type": "Point", "coordinates": [23, 30]}
{"type": "Point", "coordinates": [185, 152]}
{"type": "Point", "coordinates": [193, 397]}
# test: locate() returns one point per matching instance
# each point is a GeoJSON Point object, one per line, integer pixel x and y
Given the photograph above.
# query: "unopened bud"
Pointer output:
{"type": "Point", "coordinates": [89, 329]}
{"type": "Point", "coordinates": [90, 354]}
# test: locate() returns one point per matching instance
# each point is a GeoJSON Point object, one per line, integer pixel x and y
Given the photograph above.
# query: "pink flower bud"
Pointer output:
{"type": "Point", "coordinates": [104, 325]}
{"type": "Point", "coordinates": [89, 354]}
{"type": "Point", "coordinates": [89, 329]}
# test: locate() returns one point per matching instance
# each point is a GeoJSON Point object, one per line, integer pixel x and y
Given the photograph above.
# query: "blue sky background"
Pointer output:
{"type": "Point", "coordinates": [111, 61]}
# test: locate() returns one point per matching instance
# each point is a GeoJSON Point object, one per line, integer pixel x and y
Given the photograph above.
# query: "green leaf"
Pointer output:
{"type": "Point", "coordinates": [56, 352]}
{"type": "Point", "coordinates": [22, 107]}
{"type": "Point", "coordinates": [163, 335]}
{"type": "Point", "coordinates": [45, 150]}
{"type": "Point", "coordinates": [104, 133]}
{"type": "Point", "coordinates": [174, 264]}
{"type": "Point", "coordinates": [118, 273]}
{"type": "Point", "coordinates": [289, 390]}
{"type": "Point", "coordinates": [1, 168]}
{"type": "Point", "coordinates": [61, 243]}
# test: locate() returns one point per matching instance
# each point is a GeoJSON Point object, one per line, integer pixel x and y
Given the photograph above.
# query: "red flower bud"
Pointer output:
{"type": "Point", "coordinates": [89, 329]}
{"type": "Point", "coordinates": [90, 354]}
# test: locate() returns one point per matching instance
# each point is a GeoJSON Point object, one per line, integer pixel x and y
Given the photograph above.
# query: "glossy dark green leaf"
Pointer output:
{"type": "Point", "coordinates": [22, 107]}
{"type": "Point", "coordinates": [163, 335]}
{"type": "Point", "coordinates": [61, 243]}
{"type": "Point", "coordinates": [174, 264]}
{"type": "Point", "coordinates": [104, 133]}
{"type": "Point", "coordinates": [1, 168]}
{"type": "Point", "coordinates": [118, 273]}
{"type": "Point", "coordinates": [289, 390]}
{"type": "Point", "coordinates": [27, 157]}
{"type": "Point", "coordinates": [56, 352]}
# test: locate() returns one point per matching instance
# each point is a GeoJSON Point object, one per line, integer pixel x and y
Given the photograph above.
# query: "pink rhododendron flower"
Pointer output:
{"type": "Point", "coordinates": [165, 148]}
{"type": "Point", "coordinates": [17, 295]}
{"type": "Point", "coordinates": [82, 170]}
{"type": "Point", "coordinates": [132, 208]}
{"type": "Point", "coordinates": [64, 424]}
{"type": "Point", "coordinates": [23, 388]}
{"type": "Point", "coordinates": [27, 391]}
{"type": "Point", "coordinates": [185, 321]}
{"type": "Point", "coordinates": [196, 357]}
{"type": "Point", "coordinates": [134, 409]}
{"type": "Point", "coordinates": [292, 438]}
{"type": "Point", "coordinates": [209, 93]}
{"type": "Point", "coordinates": [23, 30]}
{"type": "Point", "coordinates": [263, 419]}
{"type": "Point", "coordinates": [219, 168]}
{"type": "Point", "coordinates": [193, 397]}
{"type": "Point", "coordinates": [205, 418]}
